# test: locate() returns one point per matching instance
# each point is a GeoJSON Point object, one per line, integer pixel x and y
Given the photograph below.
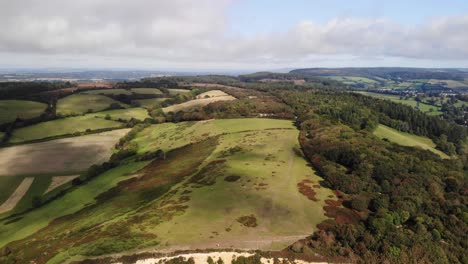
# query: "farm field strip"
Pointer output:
{"type": "Point", "coordinates": [64, 126]}
{"type": "Point", "coordinates": [17, 195]}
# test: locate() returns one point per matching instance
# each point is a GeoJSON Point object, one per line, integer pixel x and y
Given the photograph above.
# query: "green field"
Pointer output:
{"type": "Point", "coordinates": [146, 103]}
{"type": "Point", "coordinates": [233, 186]}
{"type": "Point", "coordinates": [178, 91]}
{"type": "Point", "coordinates": [146, 91]}
{"type": "Point", "coordinates": [82, 103]}
{"type": "Point", "coordinates": [63, 126]}
{"type": "Point", "coordinates": [406, 139]}
{"type": "Point", "coordinates": [124, 114]}
{"type": "Point", "coordinates": [11, 109]}
{"type": "Point", "coordinates": [108, 92]}
{"type": "Point", "coordinates": [8, 186]}
{"type": "Point", "coordinates": [426, 108]}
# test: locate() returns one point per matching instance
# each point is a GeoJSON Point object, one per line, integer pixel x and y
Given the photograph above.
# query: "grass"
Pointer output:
{"type": "Point", "coordinates": [108, 92]}
{"type": "Point", "coordinates": [146, 91]}
{"type": "Point", "coordinates": [178, 91]}
{"type": "Point", "coordinates": [426, 108]}
{"type": "Point", "coordinates": [63, 126]}
{"type": "Point", "coordinates": [124, 114]}
{"type": "Point", "coordinates": [8, 185]}
{"type": "Point", "coordinates": [147, 103]}
{"type": "Point", "coordinates": [406, 139]}
{"type": "Point", "coordinates": [184, 200]}
{"type": "Point", "coordinates": [1, 135]}
{"type": "Point", "coordinates": [68, 204]}
{"type": "Point", "coordinates": [11, 109]}
{"type": "Point", "coordinates": [82, 103]}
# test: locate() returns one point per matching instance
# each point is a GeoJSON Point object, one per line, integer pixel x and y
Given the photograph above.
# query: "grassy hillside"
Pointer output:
{"type": "Point", "coordinates": [63, 126]}
{"type": "Point", "coordinates": [243, 184]}
{"type": "Point", "coordinates": [146, 103]}
{"type": "Point", "coordinates": [407, 139]}
{"type": "Point", "coordinates": [11, 109]}
{"type": "Point", "coordinates": [108, 92]}
{"type": "Point", "coordinates": [83, 103]}
{"type": "Point", "coordinates": [125, 114]}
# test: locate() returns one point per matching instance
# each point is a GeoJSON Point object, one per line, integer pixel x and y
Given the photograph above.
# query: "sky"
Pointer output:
{"type": "Point", "coordinates": [202, 35]}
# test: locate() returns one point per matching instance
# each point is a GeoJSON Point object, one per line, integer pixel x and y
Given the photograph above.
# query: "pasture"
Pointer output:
{"type": "Point", "coordinates": [124, 114]}
{"type": "Point", "coordinates": [152, 91]}
{"type": "Point", "coordinates": [147, 103]}
{"type": "Point", "coordinates": [59, 127]}
{"type": "Point", "coordinates": [407, 139]}
{"type": "Point", "coordinates": [178, 91]}
{"type": "Point", "coordinates": [238, 187]}
{"type": "Point", "coordinates": [203, 99]}
{"type": "Point", "coordinates": [77, 104]}
{"type": "Point", "coordinates": [108, 92]}
{"type": "Point", "coordinates": [11, 109]}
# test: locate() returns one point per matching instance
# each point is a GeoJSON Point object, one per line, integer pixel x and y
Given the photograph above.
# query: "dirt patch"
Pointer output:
{"type": "Point", "coordinates": [306, 190]}
{"type": "Point", "coordinates": [248, 220]}
{"type": "Point", "coordinates": [17, 195]}
{"type": "Point", "coordinates": [232, 178]}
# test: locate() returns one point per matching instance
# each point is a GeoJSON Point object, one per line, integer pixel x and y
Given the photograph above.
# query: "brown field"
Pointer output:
{"type": "Point", "coordinates": [68, 155]}
{"type": "Point", "coordinates": [17, 195]}
{"type": "Point", "coordinates": [187, 106]}
{"type": "Point", "coordinates": [58, 181]}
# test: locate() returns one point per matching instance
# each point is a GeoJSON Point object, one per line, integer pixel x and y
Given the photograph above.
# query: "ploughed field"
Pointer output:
{"type": "Point", "coordinates": [49, 165]}
{"type": "Point", "coordinates": [234, 183]}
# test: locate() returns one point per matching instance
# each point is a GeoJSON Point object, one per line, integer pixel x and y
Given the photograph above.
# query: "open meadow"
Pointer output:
{"type": "Point", "coordinates": [243, 184]}
{"type": "Point", "coordinates": [83, 103]}
{"type": "Point", "coordinates": [11, 109]}
{"type": "Point", "coordinates": [59, 127]}
{"type": "Point", "coordinates": [407, 139]}
{"type": "Point", "coordinates": [124, 114]}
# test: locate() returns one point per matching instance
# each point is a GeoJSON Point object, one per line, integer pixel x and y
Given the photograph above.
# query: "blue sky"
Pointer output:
{"type": "Point", "coordinates": [253, 16]}
{"type": "Point", "coordinates": [233, 34]}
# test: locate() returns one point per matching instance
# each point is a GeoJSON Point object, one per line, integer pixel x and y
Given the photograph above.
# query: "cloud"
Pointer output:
{"type": "Point", "coordinates": [194, 33]}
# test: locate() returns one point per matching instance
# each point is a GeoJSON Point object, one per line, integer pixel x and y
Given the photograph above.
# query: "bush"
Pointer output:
{"type": "Point", "coordinates": [359, 203]}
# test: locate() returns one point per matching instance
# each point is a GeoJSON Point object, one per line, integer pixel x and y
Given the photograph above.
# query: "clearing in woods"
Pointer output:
{"type": "Point", "coordinates": [407, 139]}
{"type": "Point", "coordinates": [201, 100]}
{"type": "Point", "coordinates": [231, 183]}
{"type": "Point", "coordinates": [11, 109]}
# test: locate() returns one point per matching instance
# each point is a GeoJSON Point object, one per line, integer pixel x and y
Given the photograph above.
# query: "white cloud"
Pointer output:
{"type": "Point", "coordinates": [196, 33]}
